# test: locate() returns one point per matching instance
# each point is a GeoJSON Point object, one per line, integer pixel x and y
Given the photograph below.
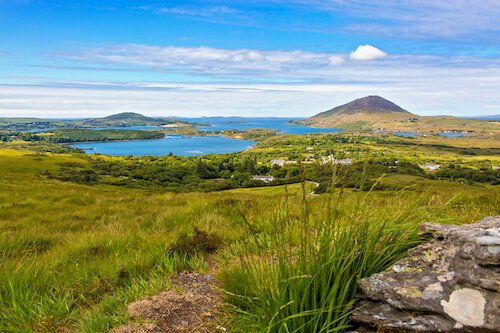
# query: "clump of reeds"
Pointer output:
{"type": "Point", "coordinates": [301, 275]}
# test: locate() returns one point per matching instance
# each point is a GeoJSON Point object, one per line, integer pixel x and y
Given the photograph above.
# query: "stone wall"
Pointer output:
{"type": "Point", "coordinates": [450, 284]}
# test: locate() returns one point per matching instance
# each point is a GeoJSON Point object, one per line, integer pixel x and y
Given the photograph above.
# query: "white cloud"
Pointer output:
{"type": "Point", "coordinates": [204, 11]}
{"type": "Point", "coordinates": [367, 53]}
{"type": "Point", "coordinates": [255, 56]}
{"type": "Point", "coordinates": [335, 61]}
{"type": "Point", "coordinates": [206, 59]}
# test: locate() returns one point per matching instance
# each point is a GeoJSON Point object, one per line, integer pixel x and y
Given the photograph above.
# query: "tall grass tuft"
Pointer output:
{"type": "Point", "coordinates": [301, 275]}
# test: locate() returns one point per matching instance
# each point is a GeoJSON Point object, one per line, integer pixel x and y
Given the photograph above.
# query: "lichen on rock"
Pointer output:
{"type": "Point", "coordinates": [466, 307]}
{"type": "Point", "coordinates": [450, 284]}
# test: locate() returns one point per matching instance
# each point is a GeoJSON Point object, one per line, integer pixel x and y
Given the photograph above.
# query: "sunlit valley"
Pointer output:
{"type": "Point", "coordinates": [259, 166]}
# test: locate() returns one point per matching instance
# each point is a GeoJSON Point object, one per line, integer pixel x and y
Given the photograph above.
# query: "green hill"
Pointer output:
{"type": "Point", "coordinates": [369, 105]}
{"type": "Point", "coordinates": [126, 119]}
{"type": "Point", "coordinates": [361, 113]}
{"type": "Point", "coordinates": [124, 116]}
{"type": "Point", "coordinates": [375, 113]}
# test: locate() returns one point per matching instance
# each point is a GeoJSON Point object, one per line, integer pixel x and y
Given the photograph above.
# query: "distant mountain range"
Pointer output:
{"type": "Point", "coordinates": [378, 114]}
{"type": "Point", "coordinates": [124, 119]}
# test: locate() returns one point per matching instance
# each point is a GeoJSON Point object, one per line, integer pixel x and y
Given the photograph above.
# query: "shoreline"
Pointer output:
{"type": "Point", "coordinates": [93, 149]}
{"type": "Point", "coordinates": [250, 148]}
{"type": "Point", "coordinates": [83, 142]}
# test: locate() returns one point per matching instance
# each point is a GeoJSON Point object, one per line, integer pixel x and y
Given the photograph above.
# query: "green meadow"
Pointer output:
{"type": "Point", "coordinates": [73, 255]}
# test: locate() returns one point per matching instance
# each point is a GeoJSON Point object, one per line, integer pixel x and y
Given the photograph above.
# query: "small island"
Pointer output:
{"type": "Point", "coordinates": [73, 135]}
{"type": "Point", "coordinates": [120, 120]}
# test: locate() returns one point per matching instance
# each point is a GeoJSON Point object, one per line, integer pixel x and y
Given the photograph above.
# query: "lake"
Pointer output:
{"type": "Point", "coordinates": [198, 145]}
{"type": "Point", "coordinates": [176, 144]}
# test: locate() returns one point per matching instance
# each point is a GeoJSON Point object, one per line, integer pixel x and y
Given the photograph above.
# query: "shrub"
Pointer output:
{"type": "Point", "coordinates": [198, 241]}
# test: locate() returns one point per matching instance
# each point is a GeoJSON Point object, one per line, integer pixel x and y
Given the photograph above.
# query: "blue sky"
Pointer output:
{"type": "Point", "coordinates": [247, 58]}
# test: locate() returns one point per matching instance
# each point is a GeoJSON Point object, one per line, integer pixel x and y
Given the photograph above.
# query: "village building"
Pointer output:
{"type": "Point", "coordinates": [266, 179]}
{"type": "Point", "coordinates": [277, 161]}
{"type": "Point", "coordinates": [430, 166]}
{"type": "Point", "coordinates": [331, 159]}
{"type": "Point", "coordinates": [281, 162]}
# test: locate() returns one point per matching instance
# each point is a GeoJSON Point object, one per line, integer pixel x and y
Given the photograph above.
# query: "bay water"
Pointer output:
{"type": "Point", "coordinates": [183, 145]}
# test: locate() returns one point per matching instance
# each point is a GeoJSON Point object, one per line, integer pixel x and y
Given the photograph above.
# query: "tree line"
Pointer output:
{"type": "Point", "coordinates": [70, 135]}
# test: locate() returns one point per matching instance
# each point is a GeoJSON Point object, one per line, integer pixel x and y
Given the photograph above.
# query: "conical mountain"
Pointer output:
{"type": "Point", "coordinates": [361, 113]}
{"type": "Point", "coordinates": [369, 105]}
{"type": "Point", "coordinates": [376, 114]}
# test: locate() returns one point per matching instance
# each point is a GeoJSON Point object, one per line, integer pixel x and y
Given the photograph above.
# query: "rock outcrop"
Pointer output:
{"type": "Point", "coordinates": [450, 284]}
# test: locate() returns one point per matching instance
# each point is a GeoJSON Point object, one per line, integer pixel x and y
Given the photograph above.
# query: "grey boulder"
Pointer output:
{"type": "Point", "coordinates": [450, 284]}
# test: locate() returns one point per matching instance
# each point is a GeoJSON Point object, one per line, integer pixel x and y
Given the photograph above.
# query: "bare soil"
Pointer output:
{"type": "Point", "coordinates": [192, 305]}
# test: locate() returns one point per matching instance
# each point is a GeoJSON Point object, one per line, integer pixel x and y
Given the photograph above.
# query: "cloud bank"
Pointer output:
{"type": "Point", "coordinates": [253, 82]}
{"type": "Point", "coordinates": [206, 59]}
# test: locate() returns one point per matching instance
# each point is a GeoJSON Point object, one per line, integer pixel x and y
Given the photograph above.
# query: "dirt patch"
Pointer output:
{"type": "Point", "coordinates": [195, 307]}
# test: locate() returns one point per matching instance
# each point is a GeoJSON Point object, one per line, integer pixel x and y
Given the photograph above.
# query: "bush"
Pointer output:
{"type": "Point", "coordinates": [253, 183]}
{"type": "Point", "coordinates": [198, 241]}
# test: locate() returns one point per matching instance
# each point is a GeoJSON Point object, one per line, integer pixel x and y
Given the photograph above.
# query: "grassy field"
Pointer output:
{"type": "Point", "coordinates": [72, 256]}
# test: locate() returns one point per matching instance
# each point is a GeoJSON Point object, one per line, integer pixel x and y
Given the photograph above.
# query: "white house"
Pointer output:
{"type": "Point", "coordinates": [281, 162]}
{"type": "Point", "coordinates": [266, 179]}
{"type": "Point", "coordinates": [430, 166]}
{"type": "Point", "coordinates": [277, 161]}
{"type": "Point", "coordinates": [330, 159]}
